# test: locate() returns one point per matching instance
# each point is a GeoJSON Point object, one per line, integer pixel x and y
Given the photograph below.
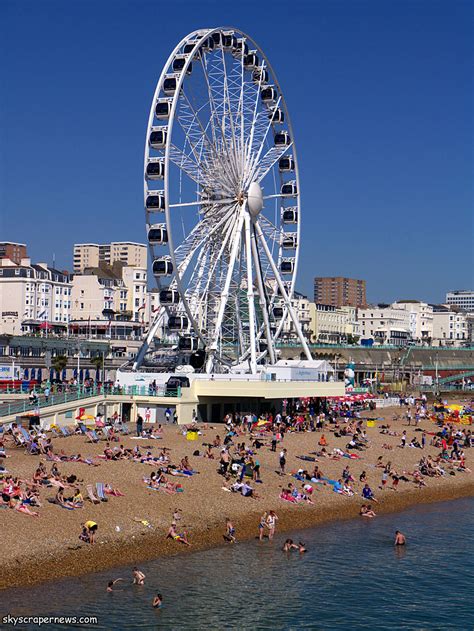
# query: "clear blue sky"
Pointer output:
{"type": "Point", "coordinates": [381, 97]}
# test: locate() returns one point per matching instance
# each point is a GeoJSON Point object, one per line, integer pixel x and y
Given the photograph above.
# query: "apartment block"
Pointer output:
{"type": "Point", "coordinates": [13, 251]}
{"type": "Point", "coordinates": [92, 254]}
{"type": "Point", "coordinates": [339, 291]}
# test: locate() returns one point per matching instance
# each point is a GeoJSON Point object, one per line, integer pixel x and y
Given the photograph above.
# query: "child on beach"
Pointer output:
{"type": "Point", "coordinates": [230, 531]}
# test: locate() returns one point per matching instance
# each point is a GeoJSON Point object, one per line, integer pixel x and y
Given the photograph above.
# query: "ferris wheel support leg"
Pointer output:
{"type": "Point", "coordinates": [282, 289]}
{"type": "Point", "coordinates": [225, 292]}
{"type": "Point", "coordinates": [250, 296]}
{"type": "Point", "coordinates": [147, 341]}
{"type": "Point", "coordinates": [263, 300]}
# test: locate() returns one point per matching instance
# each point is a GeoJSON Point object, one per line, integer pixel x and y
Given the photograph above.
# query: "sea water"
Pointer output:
{"type": "Point", "coordinates": [352, 577]}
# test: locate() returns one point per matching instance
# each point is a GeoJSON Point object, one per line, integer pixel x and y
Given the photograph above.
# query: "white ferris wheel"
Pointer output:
{"type": "Point", "coordinates": [222, 203]}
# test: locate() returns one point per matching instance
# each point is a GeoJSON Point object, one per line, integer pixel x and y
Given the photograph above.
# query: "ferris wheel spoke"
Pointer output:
{"type": "Point", "coordinates": [187, 165]}
{"type": "Point", "coordinates": [269, 160]}
{"type": "Point", "coordinates": [202, 232]}
{"type": "Point", "coordinates": [284, 294]}
{"type": "Point", "coordinates": [215, 115]}
{"type": "Point", "coordinates": [236, 239]}
{"type": "Point", "coordinates": [229, 231]}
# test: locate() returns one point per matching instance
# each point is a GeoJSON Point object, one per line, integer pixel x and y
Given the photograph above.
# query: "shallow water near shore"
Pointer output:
{"type": "Point", "coordinates": [352, 577]}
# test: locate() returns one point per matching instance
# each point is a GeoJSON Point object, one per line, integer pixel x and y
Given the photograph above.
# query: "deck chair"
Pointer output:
{"type": "Point", "coordinates": [101, 491]}
{"type": "Point", "coordinates": [82, 427]}
{"type": "Point", "coordinates": [64, 431]}
{"type": "Point", "coordinates": [124, 429]}
{"type": "Point", "coordinates": [26, 434]}
{"type": "Point", "coordinates": [55, 432]}
{"type": "Point", "coordinates": [90, 494]}
{"type": "Point", "coordinates": [92, 436]}
{"type": "Point", "coordinates": [106, 432]}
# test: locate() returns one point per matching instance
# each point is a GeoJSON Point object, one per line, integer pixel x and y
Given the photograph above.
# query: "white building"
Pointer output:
{"type": "Point", "coordinates": [450, 328]}
{"type": "Point", "coordinates": [135, 280]}
{"type": "Point", "coordinates": [98, 294]}
{"type": "Point", "coordinates": [420, 319]}
{"type": "Point", "coordinates": [462, 298]}
{"type": "Point", "coordinates": [301, 307]}
{"type": "Point", "coordinates": [33, 298]}
{"type": "Point", "coordinates": [385, 324]}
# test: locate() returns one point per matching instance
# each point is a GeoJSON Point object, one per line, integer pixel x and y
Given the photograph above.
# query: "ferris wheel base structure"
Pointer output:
{"type": "Point", "coordinates": [209, 397]}
{"type": "Point", "coordinates": [222, 204]}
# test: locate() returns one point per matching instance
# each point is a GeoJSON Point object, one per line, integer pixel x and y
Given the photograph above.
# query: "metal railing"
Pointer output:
{"type": "Point", "coordinates": [82, 392]}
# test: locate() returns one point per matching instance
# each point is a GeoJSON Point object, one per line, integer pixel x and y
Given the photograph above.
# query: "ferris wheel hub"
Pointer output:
{"type": "Point", "coordinates": [255, 199]}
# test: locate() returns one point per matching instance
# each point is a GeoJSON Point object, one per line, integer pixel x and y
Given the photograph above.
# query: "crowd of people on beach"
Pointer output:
{"type": "Point", "coordinates": [236, 448]}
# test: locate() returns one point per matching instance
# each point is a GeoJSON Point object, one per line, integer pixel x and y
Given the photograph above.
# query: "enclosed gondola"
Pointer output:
{"type": "Point", "coordinates": [158, 137]}
{"type": "Point", "coordinates": [155, 201]}
{"type": "Point", "coordinates": [155, 169]}
{"type": "Point", "coordinates": [278, 312]}
{"type": "Point", "coordinates": [286, 164]}
{"type": "Point", "coordinates": [179, 63]}
{"type": "Point", "coordinates": [190, 344]}
{"type": "Point", "coordinates": [269, 94]}
{"type": "Point", "coordinates": [251, 61]}
{"type": "Point", "coordinates": [260, 75]}
{"type": "Point", "coordinates": [290, 215]}
{"type": "Point", "coordinates": [289, 241]}
{"type": "Point", "coordinates": [282, 138]}
{"type": "Point", "coordinates": [290, 189]}
{"type": "Point", "coordinates": [169, 297]}
{"type": "Point", "coordinates": [163, 109]}
{"type": "Point", "coordinates": [162, 267]}
{"type": "Point", "coordinates": [287, 266]}
{"type": "Point", "coordinates": [170, 84]}
{"type": "Point", "coordinates": [277, 115]}
{"type": "Point", "coordinates": [157, 234]}
{"type": "Point", "coordinates": [178, 323]}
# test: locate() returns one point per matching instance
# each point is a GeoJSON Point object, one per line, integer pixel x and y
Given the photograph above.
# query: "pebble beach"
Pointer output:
{"type": "Point", "coordinates": [133, 528]}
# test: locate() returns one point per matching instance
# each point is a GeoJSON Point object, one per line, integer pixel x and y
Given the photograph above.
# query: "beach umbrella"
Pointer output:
{"type": "Point", "coordinates": [57, 375]}
{"type": "Point", "coordinates": [26, 373]}
{"type": "Point", "coordinates": [97, 374]}
{"type": "Point", "coordinates": [33, 373]}
{"type": "Point", "coordinates": [39, 376]}
{"type": "Point", "coordinates": [88, 376]}
{"type": "Point", "coordinates": [81, 375]}
{"type": "Point", "coordinates": [51, 374]}
{"type": "Point", "coordinates": [75, 373]}
{"type": "Point", "coordinates": [63, 377]}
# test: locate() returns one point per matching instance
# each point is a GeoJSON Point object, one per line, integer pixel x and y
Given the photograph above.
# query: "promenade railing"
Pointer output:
{"type": "Point", "coordinates": [79, 393]}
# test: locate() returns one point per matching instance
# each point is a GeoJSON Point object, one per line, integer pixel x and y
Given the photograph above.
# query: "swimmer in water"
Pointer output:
{"type": "Point", "coordinates": [400, 539]}
{"type": "Point", "coordinates": [158, 601]}
{"type": "Point", "coordinates": [301, 547]}
{"type": "Point", "coordinates": [110, 584]}
{"type": "Point", "coordinates": [289, 545]}
{"type": "Point", "coordinates": [138, 577]}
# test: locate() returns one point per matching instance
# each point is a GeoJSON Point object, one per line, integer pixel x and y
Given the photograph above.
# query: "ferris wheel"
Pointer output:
{"type": "Point", "coordinates": [222, 203]}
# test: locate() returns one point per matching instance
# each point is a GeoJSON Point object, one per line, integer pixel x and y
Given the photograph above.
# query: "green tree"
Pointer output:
{"type": "Point", "coordinates": [59, 363]}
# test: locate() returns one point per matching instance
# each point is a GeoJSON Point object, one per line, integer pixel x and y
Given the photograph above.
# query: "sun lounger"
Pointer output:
{"type": "Point", "coordinates": [90, 494]}
{"type": "Point", "coordinates": [92, 436]}
{"type": "Point", "coordinates": [100, 491]}
{"type": "Point", "coordinates": [26, 434]}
